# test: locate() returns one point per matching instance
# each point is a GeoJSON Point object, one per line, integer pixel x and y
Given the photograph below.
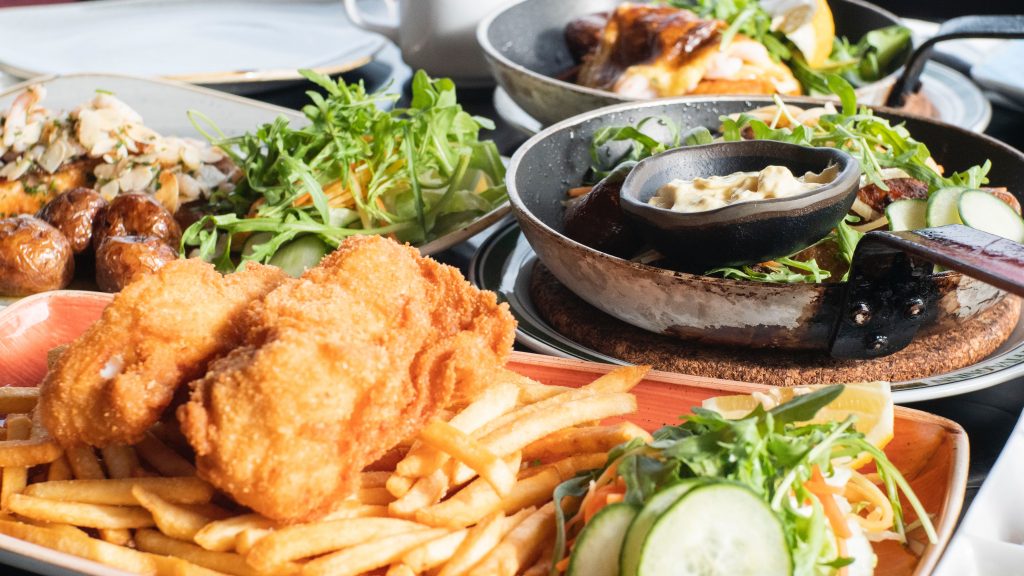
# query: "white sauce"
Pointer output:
{"type": "Point", "coordinates": [702, 194]}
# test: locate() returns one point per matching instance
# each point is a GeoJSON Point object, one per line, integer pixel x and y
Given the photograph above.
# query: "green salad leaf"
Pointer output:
{"type": "Point", "coordinates": [772, 452]}
{"type": "Point", "coordinates": [414, 173]}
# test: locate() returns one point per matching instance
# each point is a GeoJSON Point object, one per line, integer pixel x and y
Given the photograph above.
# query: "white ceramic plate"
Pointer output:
{"type": "Point", "coordinates": [1001, 71]}
{"type": "Point", "coordinates": [956, 98]}
{"type": "Point", "coordinates": [505, 261]}
{"type": "Point", "coordinates": [213, 42]}
{"type": "Point", "coordinates": [164, 105]}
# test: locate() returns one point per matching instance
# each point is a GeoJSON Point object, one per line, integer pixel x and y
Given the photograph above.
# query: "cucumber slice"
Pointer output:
{"type": "Point", "coordinates": [981, 210]}
{"type": "Point", "coordinates": [596, 552]}
{"type": "Point", "coordinates": [942, 207]}
{"type": "Point", "coordinates": [300, 254]}
{"type": "Point", "coordinates": [632, 546]}
{"type": "Point", "coordinates": [720, 529]}
{"type": "Point", "coordinates": [907, 214]}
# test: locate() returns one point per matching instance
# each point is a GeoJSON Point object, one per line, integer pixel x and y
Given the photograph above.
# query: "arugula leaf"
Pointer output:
{"type": "Point", "coordinates": [356, 168]}
{"type": "Point", "coordinates": [803, 408]}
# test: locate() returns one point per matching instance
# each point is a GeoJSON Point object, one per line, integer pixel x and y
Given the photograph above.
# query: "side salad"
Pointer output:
{"type": "Point", "coordinates": [412, 173]}
{"type": "Point", "coordinates": [888, 154]}
{"type": "Point", "coordinates": [768, 493]}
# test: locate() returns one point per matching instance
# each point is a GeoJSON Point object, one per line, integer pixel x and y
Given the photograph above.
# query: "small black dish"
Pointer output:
{"type": "Point", "coordinates": [745, 232]}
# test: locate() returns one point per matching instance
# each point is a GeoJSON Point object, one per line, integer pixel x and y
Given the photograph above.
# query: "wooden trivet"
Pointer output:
{"type": "Point", "coordinates": [927, 356]}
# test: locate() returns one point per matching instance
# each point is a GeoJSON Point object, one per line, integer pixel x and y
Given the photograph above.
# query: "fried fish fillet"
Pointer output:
{"type": "Point", "coordinates": [339, 367]}
{"type": "Point", "coordinates": [159, 333]}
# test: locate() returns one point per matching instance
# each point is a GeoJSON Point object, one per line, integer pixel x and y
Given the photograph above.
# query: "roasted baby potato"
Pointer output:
{"type": "Point", "coordinates": [34, 257]}
{"type": "Point", "coordinates": [121, 259]}
{"type": "Point", "coordinates": [73, 213]}
{"type": "Point", "coordinates": [136, 215]}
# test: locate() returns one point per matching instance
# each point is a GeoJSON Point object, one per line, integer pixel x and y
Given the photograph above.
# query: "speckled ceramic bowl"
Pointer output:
{"type": "Point", "coordinates": [745, 232]}
{"type": "Point", "coordinates": [733, 312]}
{"type": "Point", "coordinates": [525, 45]}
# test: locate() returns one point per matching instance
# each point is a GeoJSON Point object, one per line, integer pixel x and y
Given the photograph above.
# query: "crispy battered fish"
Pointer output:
{"type": "Point", "coordinates": [159, 333]}
{"type": "Point", "coordinates": [339, 367]}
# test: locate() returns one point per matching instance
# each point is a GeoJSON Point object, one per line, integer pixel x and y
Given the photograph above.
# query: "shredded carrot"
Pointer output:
{"type": "Point", "coordinates": [562, 565]}
{"type": "Point", "coordinates": [881, 515]}
{"type": "Point", "coordinates": [826, 495]}
{"type": "Point", "coordinates": [579, 191]}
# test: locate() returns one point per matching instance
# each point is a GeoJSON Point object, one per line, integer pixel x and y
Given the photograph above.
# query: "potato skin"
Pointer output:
{"type": "Point", "coordinates": [73, 213]}
{"type": "Point", "coordinates": [136, 215]}
{"type": "Point", "coordinates": [34, 257]}
{"type": "Point", "coordinates": [122, 259]}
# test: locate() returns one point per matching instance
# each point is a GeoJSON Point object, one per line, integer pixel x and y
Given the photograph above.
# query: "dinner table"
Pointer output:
{"type": "Point", "coordinates": [988, 415]}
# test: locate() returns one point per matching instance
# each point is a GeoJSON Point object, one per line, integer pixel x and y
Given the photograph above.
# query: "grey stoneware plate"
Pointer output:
{"type": "Point", "coordinates": [236, 45]}
{"type": "Point", "coordinates": [505, 262]}
{"type": "Point", "coordinates": [958, 101]}
{"type": "Point", "coordinates": [163, 105]}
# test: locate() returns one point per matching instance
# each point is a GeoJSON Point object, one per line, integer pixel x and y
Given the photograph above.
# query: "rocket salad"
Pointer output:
{"type": "Point", "coordinates": [412, 173]}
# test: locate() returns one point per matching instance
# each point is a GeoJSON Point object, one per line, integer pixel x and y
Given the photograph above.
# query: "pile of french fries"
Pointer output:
{"type": "Point", "coordinates": [470, 495]}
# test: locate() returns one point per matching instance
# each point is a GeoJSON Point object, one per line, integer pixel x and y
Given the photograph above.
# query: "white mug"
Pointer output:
{"type": "Point", "coordinates": [438, 36]}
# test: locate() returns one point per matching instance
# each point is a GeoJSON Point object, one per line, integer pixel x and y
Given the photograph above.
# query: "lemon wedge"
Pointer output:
{"type": "Point", "coordinates": [870, 402]}
{"type": "Point", "coordinates": [808, 24]}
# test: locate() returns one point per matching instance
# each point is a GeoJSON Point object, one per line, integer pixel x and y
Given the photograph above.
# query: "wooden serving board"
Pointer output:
{"type": "Point", "coordinates": [926, 356]}
{"type": "Point", "coordinates": [930, 451]}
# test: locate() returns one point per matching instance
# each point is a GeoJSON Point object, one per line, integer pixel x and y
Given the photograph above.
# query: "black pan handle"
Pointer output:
{"type": "Point", "coordinates": [1008, 26]}
{"type": "Point", "coordinates": [890, 293]}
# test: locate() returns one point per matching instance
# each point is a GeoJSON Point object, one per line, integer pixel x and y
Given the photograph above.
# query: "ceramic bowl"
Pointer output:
{"type": "Point", "coordinates": [745, 232]}
{"type": "Point", "coordinates": [524, 42]}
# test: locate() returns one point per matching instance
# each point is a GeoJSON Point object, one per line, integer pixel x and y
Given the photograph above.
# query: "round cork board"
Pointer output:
{"type": "Point", "coordinates": [927, 356]}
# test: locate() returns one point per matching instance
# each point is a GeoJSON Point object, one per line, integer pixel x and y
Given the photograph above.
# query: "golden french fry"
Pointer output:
{"type": "Point", "coordinates": [400, 570]}
{"type": "Point", "coordinates": [374, 496]}
{"type": "Point", "coordinates": [498, 400]}
{"type": "Point", "coordinates": [467, 506]}
{"type": "Point", "coordinates": [79, 514]}
{"type": "Point", "coordinates": [424, 492]}
{"type": "Point", "coordinates": [542, 567]}
{"type": "Point", "coordinates": [59, 469]}
{"type": "Point", "coordinates": [162, 457]}
{"type": "Point", "coordinates": [173, 520]}
{"type": "Point", "coordinates": [84, 463]}
{"type": "Point", "coordinates": [521, 546]}
{"type": "Point", "coordinates": [19, 427]}
{"type": "Point", "coordinates": [530, 390]}
{"type": "Point", "coordinates": [538, 424]}
{"type": "Point", "coordinates": [171, 566]}
{"type": "Point", "coordinates": [583, 440]}
{"type": "Point", "coordinates": [374, 479]}
{"type": "Point", "coordinates": [28, 453]}
{"type": "Point", "coordinates": [478, 499]}
{"type": "Point", "coordinates": [226, 562]}
{"type": "Point", "coordinates": [120, 460]}
{"type": "Point", "coordinates": [18, 399]}
{"type": "Point", "coordinates": [434, 553]}
{"type": "Point", "coordinates": [370, 555]}
{"type": "Point", "coordinates": [462, 447]}
{"type": "Point", "coordinates": [481, 539]}
{"type": "Point", "coordinates": [398, 486]}
{"type": "Point", "coordinates": [306, 540]}
{"type": "Point", "coordinates": [219, 536]}
{"type": "Point", "coordinates": [249, 538]}
{"type": "Point", "coordinates": [83, 546]}
{"type": "Point", "coordinates": [354, 509]}
{"type": "Point", "coordinates": [189, 490]}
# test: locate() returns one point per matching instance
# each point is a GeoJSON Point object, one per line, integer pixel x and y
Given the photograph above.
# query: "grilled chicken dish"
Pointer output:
{"type": "Point", "coordinates": [647, 51]}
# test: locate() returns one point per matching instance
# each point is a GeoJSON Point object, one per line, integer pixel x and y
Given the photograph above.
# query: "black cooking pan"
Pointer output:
{"type": "Point", "coordinates": [717, 310]}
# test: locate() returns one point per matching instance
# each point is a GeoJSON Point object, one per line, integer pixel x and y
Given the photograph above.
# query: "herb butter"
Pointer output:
{"type": "Point", "coordinates": [702, 194]}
